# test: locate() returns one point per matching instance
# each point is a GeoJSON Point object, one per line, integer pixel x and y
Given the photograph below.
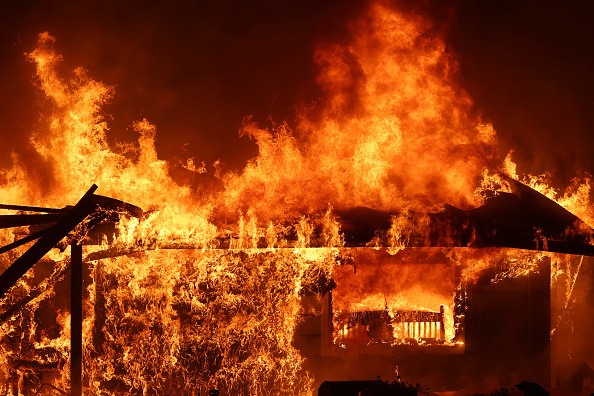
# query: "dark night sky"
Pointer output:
{"type": "Point", "coordinates": [529, 67]}
{"type": "Point", "coordinates": [195, 69]}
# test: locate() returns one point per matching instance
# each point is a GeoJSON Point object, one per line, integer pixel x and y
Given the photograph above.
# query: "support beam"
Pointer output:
{"type": "Point", "coordinates": [326, 339]}
{"type": "Point", "coordinates": [55, 234]}
{"type": "Point", "coordinates": [9, 221]}
{"type": "Point", "coordinates": [22, 241]}
{"type": "Point", "coordinates": [442, 334]}
{"type": "Point", "coordinates": [76, 318]}
{"type": "Point", "coordinates": [34, 209]}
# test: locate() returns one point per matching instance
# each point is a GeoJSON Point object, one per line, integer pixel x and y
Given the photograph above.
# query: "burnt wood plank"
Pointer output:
{"type": "Point", "coordinates": [24, 240]}
{"type": "Point", "coordinates": [34, 208]}
{"type": "Point", "coordinates": [9, 221]}
{"type": "Point", "coordinates": [76, 318]}
{"type": "Point", "coordinates": [79, 212]}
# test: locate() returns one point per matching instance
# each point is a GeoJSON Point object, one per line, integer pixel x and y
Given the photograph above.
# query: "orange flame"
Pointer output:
{"type": "Point", "coordinates": [394, 132]}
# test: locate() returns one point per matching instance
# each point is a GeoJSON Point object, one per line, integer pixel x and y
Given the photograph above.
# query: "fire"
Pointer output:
{"type": "Point", "coordinates": [417, 280]}
{"type": "Point", "coordinates": [198, 320]}
{"type": "Point", "coordinates": [394, 132]}
{"type": "Point", "coordinates": [73, 144]}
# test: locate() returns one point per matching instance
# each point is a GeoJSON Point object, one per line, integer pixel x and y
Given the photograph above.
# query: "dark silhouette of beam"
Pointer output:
{"type": "Point", "coordinates": [24, 240]}
{"type": "Point", "coordinates": [76, 318]}
{"type": "Point", "coordinates": [8, 221]}
{"type": "Point", "coordinates": [54, 234]}
{"type": "Point", "coordinates": [34, 209]}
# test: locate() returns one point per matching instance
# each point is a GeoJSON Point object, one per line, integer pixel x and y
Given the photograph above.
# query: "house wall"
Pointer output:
{"type": "Point", "coordinates": [506, 335]}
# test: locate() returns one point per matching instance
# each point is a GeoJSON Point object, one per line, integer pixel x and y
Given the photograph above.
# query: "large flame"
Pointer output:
{"type": "Point", "coordinates": [393, 132]}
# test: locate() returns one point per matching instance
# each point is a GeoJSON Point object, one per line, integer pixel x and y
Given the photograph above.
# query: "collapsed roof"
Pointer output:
{"type": "Point", "coordinates": [523, 218]}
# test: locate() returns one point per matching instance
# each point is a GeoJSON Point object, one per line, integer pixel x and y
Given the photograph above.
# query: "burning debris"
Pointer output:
{"type": "Point", "coordinates": [380, 232]}
{"type": "Point", "coordinates": [371, 388]}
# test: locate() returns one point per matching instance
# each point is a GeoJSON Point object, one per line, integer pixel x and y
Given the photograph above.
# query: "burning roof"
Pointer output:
{"type": "Point", "coordinates": [391, 156]}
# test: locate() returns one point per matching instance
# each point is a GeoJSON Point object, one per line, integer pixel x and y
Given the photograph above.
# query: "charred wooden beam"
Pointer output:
{"type": "Point", "coordinates": [570, 248]}
{"type": "Point", "coordinates": [108, 203]}
{"type": "Point", "coordinates": [34, 209]}
{"type": "Point", "coordinates": [326, 338]}
{"type": "Point", "coordinates": [76, 318]}
{"type": "Point", "coordinates": [96, 209]}
{"type": "Point", "coordinates": [79, 212]}
{"type": "Point", "coordinates": [22, 241]}
{"type": "Point", "coordinates": [9, 221]}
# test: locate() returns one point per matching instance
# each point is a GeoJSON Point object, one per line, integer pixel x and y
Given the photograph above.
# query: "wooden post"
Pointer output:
{"type": "Point", "coordinates": [76, 318]}
{"type": "Point", "coordinates": [326, 339]}
{"type": "Point", "coordinates": [442, 335]}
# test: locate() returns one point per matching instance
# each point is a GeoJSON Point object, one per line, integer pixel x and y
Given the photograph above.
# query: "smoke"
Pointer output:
{"type": "Point", "coordinates": [526, 66]}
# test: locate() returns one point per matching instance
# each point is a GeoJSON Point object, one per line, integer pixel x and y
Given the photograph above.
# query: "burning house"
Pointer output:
{"type": "Point", "coordinates": [443, 310]}
{"type": "Point", "coordinates": [380, 235]}
{"type": "Point", "coordinates": [415, 303]}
